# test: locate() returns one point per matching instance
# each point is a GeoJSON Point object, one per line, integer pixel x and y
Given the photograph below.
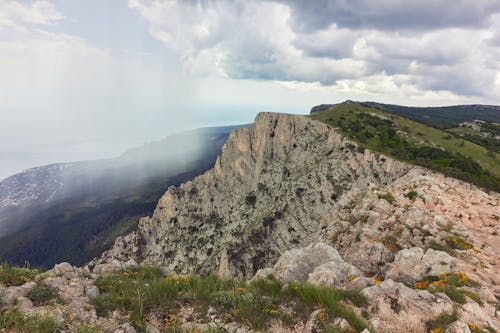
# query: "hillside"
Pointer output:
{"type": "Point", "coordinates": [442, 116]}
{"type": "Point", "coordinates": [90, 203]}
{"type": "Point", "coordinates": [415, 142]}
{"type": "Point", "coordinates": [306, 231]}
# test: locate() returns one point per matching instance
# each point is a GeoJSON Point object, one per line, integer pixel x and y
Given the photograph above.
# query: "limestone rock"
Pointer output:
{"type": "Point", "coordinates": [12, 293]}
{"type": "Point", "coordinates": [458, 327]}
{"type": "Point", "coordinates": [268, 192]}
{"type": "Point", "coordinates": [297, 264]}
{"type": "Point", "coordinates": [394, 307]}
{"type": "Point", "coordinates": [333, 273]}
{"type": "Point", "coordinates": [411, 265]}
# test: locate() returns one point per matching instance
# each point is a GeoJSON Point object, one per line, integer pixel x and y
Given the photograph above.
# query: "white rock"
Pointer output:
{"type": "Point", "coordinates": [333, 273]}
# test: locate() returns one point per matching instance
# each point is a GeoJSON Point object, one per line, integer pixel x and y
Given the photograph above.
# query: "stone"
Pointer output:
{"type": "Point", "coordinates": [63, 268]}
{"type": "Point", "coordinates": [263, 273]}
{"type": "Point", "coordinates": [10, 294]}
{"type": "Point", "coordinates": [411, 265]}
{"type": "Point", "coordinates": [458, 327]}
{"type": "Point", "coordinates": [297, 264]}
{"type": "Point", "coordinates": [394, 307]}
{"type": "Point", "coordinates": [333, 273]}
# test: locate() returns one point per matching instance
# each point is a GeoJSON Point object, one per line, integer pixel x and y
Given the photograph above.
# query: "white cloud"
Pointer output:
{"type": "Point", "coordinates": [295, 41]}
{"type": "Point", "coordinates": [39, 12]}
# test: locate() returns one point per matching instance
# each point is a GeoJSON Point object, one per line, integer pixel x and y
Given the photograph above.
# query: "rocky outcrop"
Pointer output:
{"type": "Point", "coordinates": [291, 197]}
{"type": "Point", "coordinates": [317, 263]}
{"type": "Point", "coordinates": [73, 309]}
{"type": "Point", "coordinates": [268, 192]}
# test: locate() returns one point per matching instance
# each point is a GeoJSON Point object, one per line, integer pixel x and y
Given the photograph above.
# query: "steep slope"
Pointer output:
{"type": "Point", "coordinates": [90, 203]}
{"type": "Point", "coordinates": [291, 197]}
{"type": "Point", "coordinates": [270, 188]}
{"type": "Point", "coordinates": [334, 237]}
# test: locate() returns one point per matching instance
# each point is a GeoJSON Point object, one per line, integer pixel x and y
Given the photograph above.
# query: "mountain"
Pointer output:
{"type": "Point", "coordinates": [293, 198]}
{"type": "Point", "coordinates": [440, 116]}
{"type": "Point", "coordinates": [446, 151]}
{"type": "Point", "coordinates": [305, 229]}
{"type": "Point", "coordinates": [90, 203]}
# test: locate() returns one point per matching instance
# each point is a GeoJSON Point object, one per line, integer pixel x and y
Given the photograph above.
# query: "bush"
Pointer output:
{"type": "Point", "coordinates": [16, 276]}
{"type": "Point", "coordinates": [42, 294]}
{"type": "Point", "coordinates": [412, 195]}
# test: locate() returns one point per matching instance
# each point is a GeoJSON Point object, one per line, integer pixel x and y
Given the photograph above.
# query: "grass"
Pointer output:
{"type": "Point", "coordinates": [414, 142]}
{"type": "Point", "coordinates": [89, 329]}
{"type": "Point", "coordinates": [439, 324]}
{"type": "Point", "coordinates": [16, 276]}
{"type": "Point", "coordinates": [13, 319]}
{"type": "Point", "coordinates": [144, 290]}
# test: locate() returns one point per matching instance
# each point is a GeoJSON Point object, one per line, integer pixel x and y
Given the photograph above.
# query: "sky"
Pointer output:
{"type": "Point", "coordinates": [87, 79]}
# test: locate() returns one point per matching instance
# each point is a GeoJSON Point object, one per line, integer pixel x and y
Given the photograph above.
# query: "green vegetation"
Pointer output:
{"type": "Point", "coordinates": [448, 284]}
{"type": "Point", "coordinates": [443, 116]}
{"type": "Point", "coordinates": [89, 329]}
{"type": "Point", "coordinates": [412, 195]}
{"type": "Point", "coordinates": [414, 142]}
{"type": "Point", "coordinates": [387, 196]}
{"type": "Point", "coordinates": [144, 291]}
{"type": "Point", "coordinates": [86, 225]}
{"type": "Point", "coordinates": [16, 276]}
{"type": "Point", "coordinates": [12, 319]}
{"type": "Point", "coordinates": [42, 294]}
{"type": "Point", "coordinates": [458, 243]}
{"type": "Point", "coordinates": [440, 323]}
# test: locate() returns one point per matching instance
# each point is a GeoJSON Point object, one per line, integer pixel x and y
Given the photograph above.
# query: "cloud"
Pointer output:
{"type": "Point", "coordinates": [390, 14]}
{"type": "Point", "coordinates": [63, 99]}
{"type": "Point", "coordinates": [439, 46]}
{"type": "Point", "coordinates": [39, 12]}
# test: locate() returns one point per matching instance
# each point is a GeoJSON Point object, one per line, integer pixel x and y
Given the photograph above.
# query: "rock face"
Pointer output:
{"type": "Point", "coordinates": [291, 197]}
{"type": "Point", "coordinates": [270, 189]}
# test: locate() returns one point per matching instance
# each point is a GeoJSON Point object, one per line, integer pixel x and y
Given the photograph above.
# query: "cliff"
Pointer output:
{"type": "Point", "coordinates": [269, 190]}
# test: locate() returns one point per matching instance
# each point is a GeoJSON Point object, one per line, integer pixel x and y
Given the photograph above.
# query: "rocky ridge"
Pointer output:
{"type": "Point", "coordinates": [291, 197]}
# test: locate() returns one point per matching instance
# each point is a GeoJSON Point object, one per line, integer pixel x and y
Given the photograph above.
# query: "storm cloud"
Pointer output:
{"type": "Point", "coordinates": [439, 46]}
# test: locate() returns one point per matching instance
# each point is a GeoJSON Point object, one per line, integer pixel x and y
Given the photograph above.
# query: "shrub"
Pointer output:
{"type": "Point", "coordinates": [16, 276]}
{"type": "Point", "coordinates": [412, 195]}
{"type": "Point", "coordinates": [42, 294]}
{"type": "Point", "coordinates": [458, 243]}
{"type": "Point", "coordinates": [388, 197]}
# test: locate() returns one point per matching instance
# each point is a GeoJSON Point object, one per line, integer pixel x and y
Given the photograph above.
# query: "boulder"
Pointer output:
{"type": "Point", "coordinates": [333, 273]}
{"type": "Point", "coordinates": [394, 307]}
{"type": "Point", "coordinates": [10, 294]}
{"type": "Point", "coordinates": [297, 264]}
{"type": "Point", "coordinates": [411, 265]}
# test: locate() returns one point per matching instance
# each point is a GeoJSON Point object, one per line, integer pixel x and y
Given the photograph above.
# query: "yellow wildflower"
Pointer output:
{"type": "Point", "coordinates": [473, 327]}
{"type": "Point", "coordinates": [421, 285]}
